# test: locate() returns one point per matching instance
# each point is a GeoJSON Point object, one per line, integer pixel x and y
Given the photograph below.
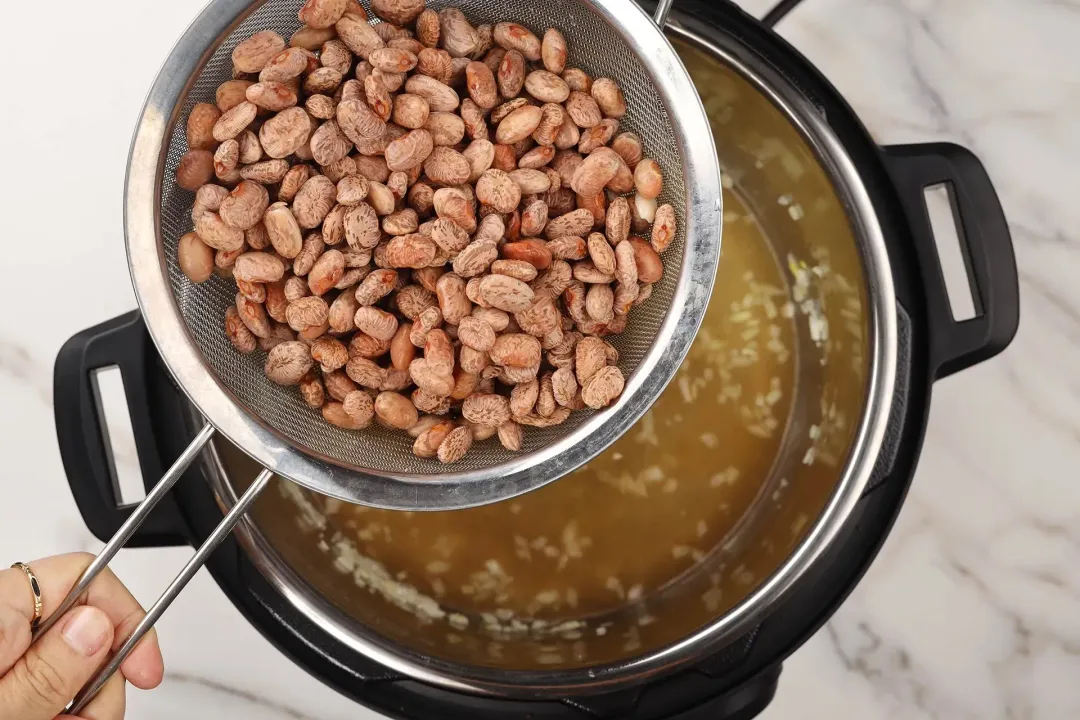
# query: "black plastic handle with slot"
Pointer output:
{"type": "Point", "coordinates": [984, 241]}
{"type": "Point", "coordinates": [124, 343]}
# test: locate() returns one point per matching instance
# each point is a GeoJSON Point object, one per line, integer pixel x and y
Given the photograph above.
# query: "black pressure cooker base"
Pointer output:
{"type": "Point", "coordinates": [736, 682]}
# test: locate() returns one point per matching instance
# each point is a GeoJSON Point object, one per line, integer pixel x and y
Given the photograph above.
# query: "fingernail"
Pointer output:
{"type": "Point", "coordinates": [86, 630]}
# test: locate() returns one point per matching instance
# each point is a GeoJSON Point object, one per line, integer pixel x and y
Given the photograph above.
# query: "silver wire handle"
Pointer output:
{"type": "Point", "coordinates": [663, 7]}
{"type": "Point", "coordinates": [176, 586]}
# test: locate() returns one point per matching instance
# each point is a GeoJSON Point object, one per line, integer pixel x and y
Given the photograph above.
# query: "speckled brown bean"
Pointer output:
{"type": "Point", "coordinates": [215, 233]}
{"type": "Point", "coordinates": [421, 198]}
{"type": "Point", "coordinates": [649, 265]}
{"type": "Point", "coordinates": [233, 121]}
{"type": "Point", "coordinates": [427, 28]}
{"type": "Point", "coordinates": [534, 252]}
{"type": "Point", "coordinates": [440, 96]}
{"type": "Point", "coordinates": [410, 251]}
{"type": "Point", "coordinates": [359, 122]}
{"type": "Point", "coordinates": [310, 38]}
{"type": "Point", "coordinates": [513, 36]}
{"type": "Point", "coordinates": [551, 122]}
{"type": "Point", "coordinates": [568, 136]}
{"type": "Point", "coordinates": [546, 86]}
{"type": "Point", "coordinates": [503, 158]}
{"type": "Point", "coordinates": [358, 35]}
{"type": "Point", "coordinates": [409, 150]}
{"type": "Point", "coordinates": [283, 230]}
{"type": "Point", "coordinates": [454, 304]}
{"type": "Point", "coordinates": [252, 55]}
{"type": "Point", "coordinates": [362, 227]}
{"type": "Point", "coordinates": [648, 178]}
{"type": "Point", "coordinates": [271, 95]}
{"type": "Point", "coordinates": [392, 60]}
{"type": "Point", "coordinates": [238, 333]}
{"type": "Point", "coordinates": [531, 182]}
{"type": "Point", "coordinates": [365, 372]}
{"type": "Point", "coordinates": [664, 228]}
{"type": "Point", "coordinates": [312, 390]}
{"type": "Point", "coordinates": [609, 97]}
{"type": "Point", "coordinates": [284, 133]}
{"type": "Point", "coordinates": [628, 145]}
{"type": "Point", "coordinates": [481, 85]}
{"type": "Point", "coordinates": [410, 111]}
{"type": "Point", "coordinates": [379, 324]}
{"type": "Point", "coordinates": [196, 258]}
{"type": "Point", "coordinates": [453, 203]}
{"type": "Point", "coordinates": [583, 109]}
{"type": "Point", "coordinates": [600, 303]}
{"type": "Point", "coordinates": [195, 169]}
{"type": "Point", "coordinates": [427, 378]}
{"type": "Point", "coordinates": [315, 199]}
{"type": "Point", "coordinates": [381, 198]}
{"type": "Point", "coordinates": [602, 254]}
{"type": "Point", "coordinates": [360, 408]}
{"type": "Point", "coordinates": [230, 94]}
{"type": "Point", "coordinates": [396, 410]}
{"type": "Point", "coordinates": [518, 125]}
{"type": "Point", "coordinates": [603, 387]}
{"type": "Point", "coordinates": [342, 313]}
{"type": "Point", "coordinates": [287, 363]}
{"type": "Point", "coordinates": [245, 206]}
{"type": "Point", "coordinates": [553, 51]}
{"type": "Point", "coordinates": [200, 126]}
{"type": "Point", "coordinates": [402, 351]}
{"type": "Point", "coordinates": [506, 293]}
{"type": "Point", "coordinates": [321, 14]}
{"type": "Point", "coordinates": [575, 224]}
{"type": "Point", "coordinates": [596, 204]}
{"type": "Point", "coordinates": [428, 442]}
{"type": "Point", "coordinates": [617, 222]}
{"type": "Point", "coordinates": [510, 436]}
{"type": "Point", "coordinates": [326, 272]}
{"type": "Point", "coordinates": [595, 172]}
{"type": "Point", "coordinates": [597, 136]}
{"type": "Point", "coordinates": [456, 445]}
{"type": "Point", "coordinates": [533, 218]}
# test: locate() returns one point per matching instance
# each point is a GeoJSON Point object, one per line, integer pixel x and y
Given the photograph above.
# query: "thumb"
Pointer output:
{"type": "Point", "coordinates": [44, 680]}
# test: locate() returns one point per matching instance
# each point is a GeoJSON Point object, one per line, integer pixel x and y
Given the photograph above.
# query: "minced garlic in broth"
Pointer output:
{"type": "Point", "coordinates": [645, 511]}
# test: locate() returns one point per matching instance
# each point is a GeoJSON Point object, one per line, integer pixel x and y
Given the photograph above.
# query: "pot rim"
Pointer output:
{"type": "Point", "coordinates": [883, 346]}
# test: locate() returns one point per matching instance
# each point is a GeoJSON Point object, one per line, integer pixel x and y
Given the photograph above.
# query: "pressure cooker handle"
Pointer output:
{"type": "Point", "coordinates": [123, 343]}
{"type": "Point", "coordinates": [984, 242]}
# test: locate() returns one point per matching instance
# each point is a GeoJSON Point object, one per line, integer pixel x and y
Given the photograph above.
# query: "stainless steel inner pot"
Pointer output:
{"type": "Point", "coordinates": [802, 190]}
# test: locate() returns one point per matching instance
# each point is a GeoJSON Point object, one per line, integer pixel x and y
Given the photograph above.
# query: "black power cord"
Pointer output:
{"type": "Point", "coordinates": [778, 12]}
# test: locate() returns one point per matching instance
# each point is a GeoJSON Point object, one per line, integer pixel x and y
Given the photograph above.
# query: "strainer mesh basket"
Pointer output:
{"type": "Point", "coordinates": [596, 47]}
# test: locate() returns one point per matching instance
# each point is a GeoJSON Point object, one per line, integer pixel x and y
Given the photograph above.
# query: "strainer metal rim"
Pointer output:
{"type": "Point", "coordinates": [451, 490]}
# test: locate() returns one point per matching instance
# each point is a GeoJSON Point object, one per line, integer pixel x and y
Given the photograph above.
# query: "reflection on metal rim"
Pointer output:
{"type": "Point", "coordinates": [855, 476]}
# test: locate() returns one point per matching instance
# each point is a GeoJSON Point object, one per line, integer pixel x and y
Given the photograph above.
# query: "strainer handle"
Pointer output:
{"type": "Point", "coordinates": [158, 608]}
{"type": "Point", "coordinates": [130, 526]}
{"type": "Point", "coordinates": [663, 7]}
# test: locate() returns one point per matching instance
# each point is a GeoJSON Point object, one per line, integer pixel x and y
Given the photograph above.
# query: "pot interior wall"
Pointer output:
{"type": "Point", "coordinates": [689, 513]}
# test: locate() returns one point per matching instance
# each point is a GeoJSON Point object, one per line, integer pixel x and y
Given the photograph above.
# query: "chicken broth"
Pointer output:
{"type": "Point", "coordinates": [675, 487]}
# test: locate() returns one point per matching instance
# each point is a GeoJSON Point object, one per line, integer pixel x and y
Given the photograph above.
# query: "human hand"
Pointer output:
{"type": "Point", "coordinates": [38, 681]}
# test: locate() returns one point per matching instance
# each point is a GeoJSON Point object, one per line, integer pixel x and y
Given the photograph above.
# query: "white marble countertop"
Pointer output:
{"type": "Point", "coordinates": [973, 608]}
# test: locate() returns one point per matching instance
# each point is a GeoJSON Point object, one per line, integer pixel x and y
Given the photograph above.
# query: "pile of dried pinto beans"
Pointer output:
{"type": "Point", "coordinates": [429, 224]}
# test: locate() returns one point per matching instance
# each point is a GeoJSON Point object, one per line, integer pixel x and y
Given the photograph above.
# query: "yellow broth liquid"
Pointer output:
{"type": "Point", "coordinates": [640, 515]}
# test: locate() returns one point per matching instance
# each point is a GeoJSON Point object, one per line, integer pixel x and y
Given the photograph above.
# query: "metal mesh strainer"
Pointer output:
{"type": "Point", "coordinates": [612, 38]}
{"type": "Point", "coordinates": [202, 306]}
